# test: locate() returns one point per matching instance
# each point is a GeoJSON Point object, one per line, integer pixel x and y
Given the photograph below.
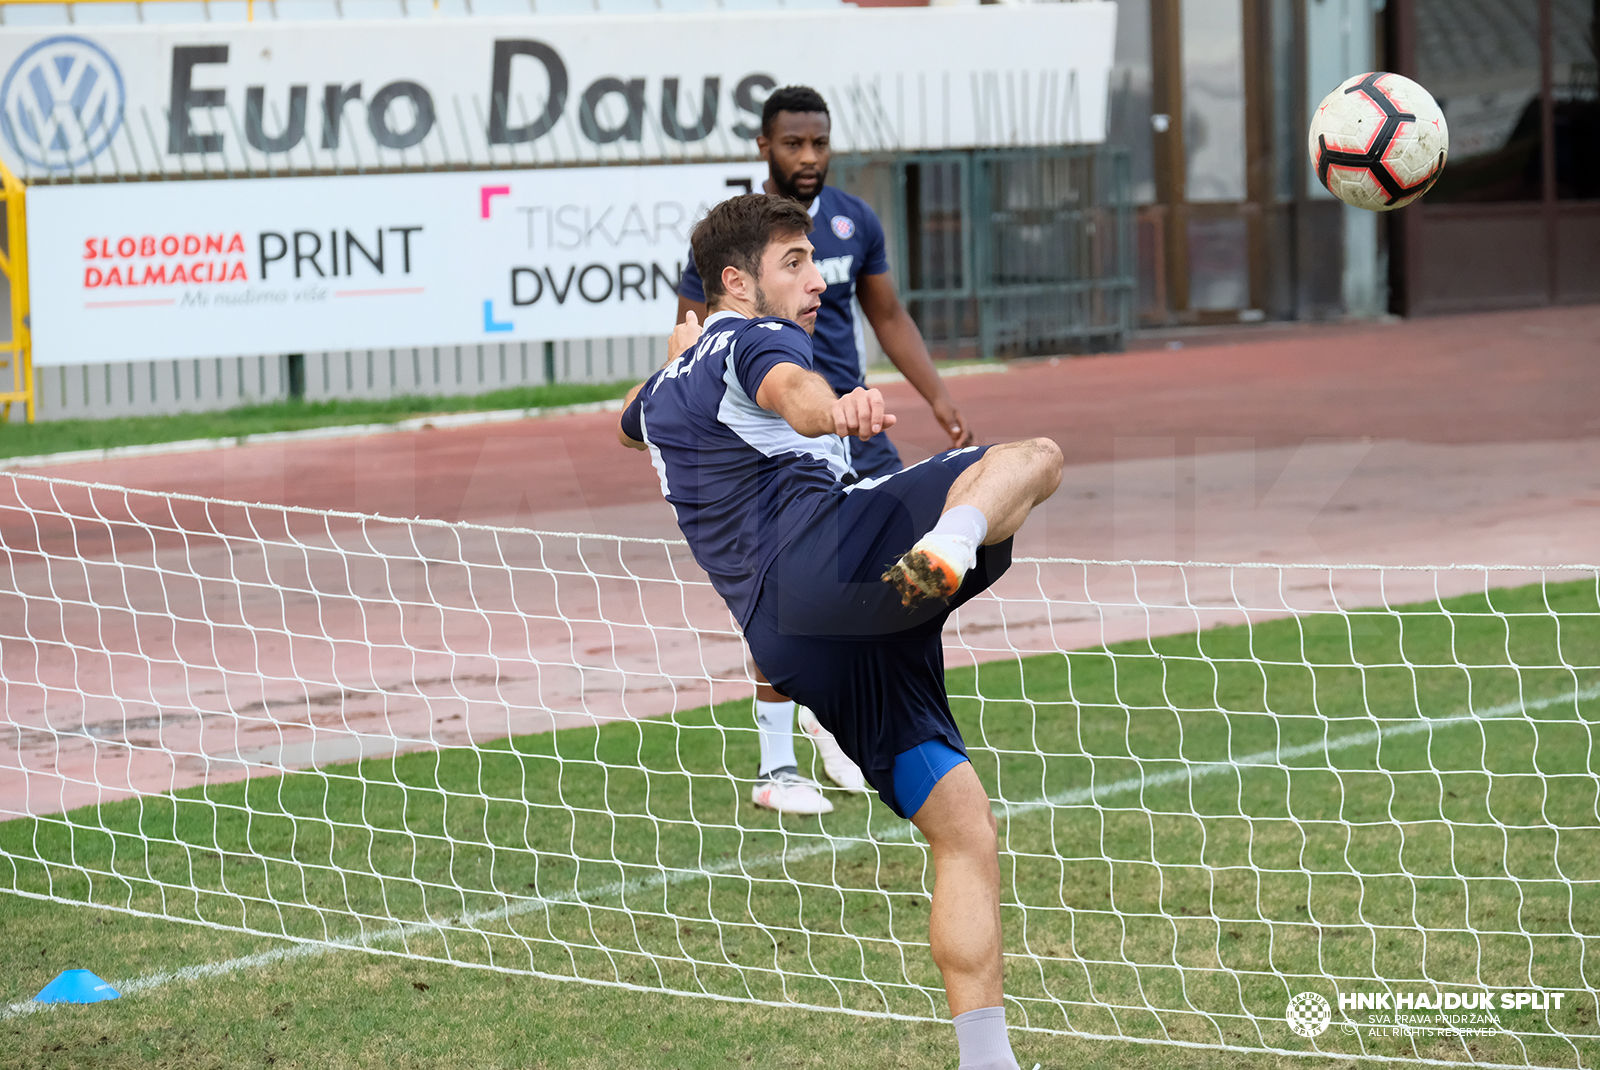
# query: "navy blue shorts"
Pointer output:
{"type": "Point", "coordinates": [828, 632]}
{"type": "Point", "coordinates": [875, 457]}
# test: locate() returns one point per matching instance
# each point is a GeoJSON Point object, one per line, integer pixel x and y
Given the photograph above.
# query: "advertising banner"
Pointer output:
{"type": "Point", "coordinates": [154, 270]}
{"type": "Point", "coordinates": [351, 95]}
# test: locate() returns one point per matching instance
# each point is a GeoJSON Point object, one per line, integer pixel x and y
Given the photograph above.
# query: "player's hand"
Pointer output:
{"type": "Point", "coordinates": [861, 413]}
{"type": "Point", "coordinates": [683, 336]}
{"type": "Point", "coordinates": [949, 417]}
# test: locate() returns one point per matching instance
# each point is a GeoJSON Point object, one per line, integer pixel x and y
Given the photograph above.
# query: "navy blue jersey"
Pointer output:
{"type": "Point", "coordinates": [741, 480]}
{"type": "Point", "coordinates": [849, 243]}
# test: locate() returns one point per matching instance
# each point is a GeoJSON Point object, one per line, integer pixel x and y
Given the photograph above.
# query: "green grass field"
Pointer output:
{"type": "Point", "coordinates": [19, 439]}
{"type": "Point", "coordinates": [1195, 829]}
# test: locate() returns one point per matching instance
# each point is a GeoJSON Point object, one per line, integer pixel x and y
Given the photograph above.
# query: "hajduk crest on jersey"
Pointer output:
{"type": "Point", "coordinates": [1379, 141]}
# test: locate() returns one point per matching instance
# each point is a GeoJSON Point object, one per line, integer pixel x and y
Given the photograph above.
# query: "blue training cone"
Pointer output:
{"type": "Point", "coordinates": [76, 986]}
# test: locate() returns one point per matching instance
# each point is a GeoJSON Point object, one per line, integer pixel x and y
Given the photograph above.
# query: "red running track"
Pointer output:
{"type": "Point", "coordinates": [148, 659]}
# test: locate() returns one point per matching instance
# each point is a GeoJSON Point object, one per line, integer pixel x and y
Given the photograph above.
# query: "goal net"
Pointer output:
{"type": "Point", "coordinates": [1306, 809]}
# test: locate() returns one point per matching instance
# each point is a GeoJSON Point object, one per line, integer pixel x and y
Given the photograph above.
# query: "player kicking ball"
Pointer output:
{"type": "Point", "coordinates": [843, 590]}
{"type": "Point", "coordinates": [849, 250]}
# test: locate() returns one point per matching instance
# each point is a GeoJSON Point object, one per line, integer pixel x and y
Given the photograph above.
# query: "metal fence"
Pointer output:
{"type": "Point", "coordinates": [105, 389]}
{"type": "Point", "coordinates": [1008, 253]}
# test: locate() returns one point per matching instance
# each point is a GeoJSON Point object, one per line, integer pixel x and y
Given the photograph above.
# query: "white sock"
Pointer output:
{"type": "Point", "coordinates": [776, 723]}
{"type": "Point", "coordinates": [965, 520]}
{"type": "Point", "coordinates": [981, 1036]}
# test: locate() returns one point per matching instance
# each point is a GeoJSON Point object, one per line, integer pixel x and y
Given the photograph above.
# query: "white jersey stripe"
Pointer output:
{"type": "Point", "coordinates": [770, 433]}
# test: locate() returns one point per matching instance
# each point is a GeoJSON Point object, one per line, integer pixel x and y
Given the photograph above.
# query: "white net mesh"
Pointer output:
{"type": "Point", "coordinates": [1221, 787]}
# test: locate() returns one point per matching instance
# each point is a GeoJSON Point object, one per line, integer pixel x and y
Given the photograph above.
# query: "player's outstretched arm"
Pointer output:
{"type": "Point", "coordinates": [903, 345]}
{"type": "Point", "coordinates": [806, 401]}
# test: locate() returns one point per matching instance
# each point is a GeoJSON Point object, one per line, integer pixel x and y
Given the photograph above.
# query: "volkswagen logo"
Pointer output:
{"type": "Point", "coordinates": [61, 103]}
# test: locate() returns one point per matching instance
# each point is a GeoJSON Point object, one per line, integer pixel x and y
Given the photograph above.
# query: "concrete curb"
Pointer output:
{"type": "Point", "coordinates": [443, 420]}
{"type": "Point", "coordinates": [879, 378]}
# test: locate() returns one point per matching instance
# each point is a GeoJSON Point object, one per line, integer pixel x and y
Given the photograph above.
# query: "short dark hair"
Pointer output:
{"type": "Point", "coordinates": [799, 98]}
{"type": "Point", "coordinates": [737, 232]}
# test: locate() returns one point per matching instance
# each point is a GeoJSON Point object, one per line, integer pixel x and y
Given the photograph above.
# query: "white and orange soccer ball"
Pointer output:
{"type": "Point", "coordinates": [1379, 141]}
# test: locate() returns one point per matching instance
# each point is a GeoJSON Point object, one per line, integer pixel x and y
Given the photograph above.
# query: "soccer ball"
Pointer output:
{"type": "Point", "coordinates": [1378, 141]}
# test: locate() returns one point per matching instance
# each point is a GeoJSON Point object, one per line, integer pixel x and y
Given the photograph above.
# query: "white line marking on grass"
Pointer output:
{"type": "Point", "coordinates": [186, 973]}
{"type": "Point", "coordinates": [824, 844]}
{"type": "Point", "coordinates": [1278, 755]}
{"type": "Point", "coordinates": [468, 921]}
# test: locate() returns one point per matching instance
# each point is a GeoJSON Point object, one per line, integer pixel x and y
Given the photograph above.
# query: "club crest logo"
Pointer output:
{"type": "Point", "coordinates": [844, 227]}
{"type": "Point", "coordinates": [1309, 1015]}
{"type": "Point", "coordinates": [61, 103]}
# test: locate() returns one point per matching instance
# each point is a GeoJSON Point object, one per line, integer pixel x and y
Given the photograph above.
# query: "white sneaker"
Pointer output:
{"type": "Point", "coordinates": [840, 769]}
{"type": "Point", "coordinates": [933, 568]}
{"type": "Point", "coordinates": [787, 792]}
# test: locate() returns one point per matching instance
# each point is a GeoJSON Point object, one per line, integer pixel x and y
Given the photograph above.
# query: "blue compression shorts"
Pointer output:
{"type": "Point", "coordinates": [917, 770]}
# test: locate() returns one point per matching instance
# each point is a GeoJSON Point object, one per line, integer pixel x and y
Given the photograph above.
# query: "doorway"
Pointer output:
{"type": "Point", "coordinates": [1205, 234]}
{"type": "Point", "coordinates": [1514, 220]}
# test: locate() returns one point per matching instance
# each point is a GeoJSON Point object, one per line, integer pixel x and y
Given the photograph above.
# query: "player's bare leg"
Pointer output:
{"type": "Point", "coordinates": [964, 924]}
{"type": "Point", "coordinates": [986, 505]}
{"type": "Point", "coordinates": [1008, 483]}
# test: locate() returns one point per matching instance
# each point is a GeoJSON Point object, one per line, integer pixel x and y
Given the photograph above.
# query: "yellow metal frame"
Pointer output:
{"type": "Point", "coordinates": [249, 7]}
{"type": "Point", "coordinates": [14, 264]}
